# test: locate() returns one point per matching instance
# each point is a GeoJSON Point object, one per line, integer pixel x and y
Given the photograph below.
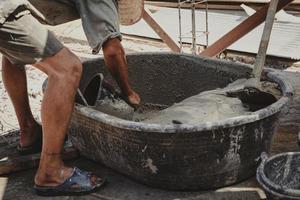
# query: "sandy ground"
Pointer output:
{"type": "Point", "coordinates": [7, 117]}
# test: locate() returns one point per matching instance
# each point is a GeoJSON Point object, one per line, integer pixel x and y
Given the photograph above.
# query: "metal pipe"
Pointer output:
{"type": "Point", "coordinates": [206, 22]}
{"type": "Point", "coordinates": [193, 27]}
{"type": "Point", "coordinates": [180, 28]}
{"type": "Point", "coordinates": [160, 31]}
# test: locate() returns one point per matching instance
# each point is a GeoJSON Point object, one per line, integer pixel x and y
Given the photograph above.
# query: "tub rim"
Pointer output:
{"type": "Point", "coordinates": [268, 184]}
{"type": "Point", "coordinates": [272, 109]}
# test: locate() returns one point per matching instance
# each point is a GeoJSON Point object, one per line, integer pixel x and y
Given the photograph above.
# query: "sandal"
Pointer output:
{"type": "Point", "coordinates": [32, 149]}
{"type": "Point", "coordinates": [35, 148]}
{"type": "Point", "coordinates": [79, 183]}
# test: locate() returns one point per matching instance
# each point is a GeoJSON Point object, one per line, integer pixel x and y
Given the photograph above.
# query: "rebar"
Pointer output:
{"type": "Point", "coordinates": [206, 22]}
{"type": "Point", "coordinates": [193, 23]}
{"type": "Point", "coordinates": [193, 27]}
{"type": "Point", "coordinates": [180, 28]}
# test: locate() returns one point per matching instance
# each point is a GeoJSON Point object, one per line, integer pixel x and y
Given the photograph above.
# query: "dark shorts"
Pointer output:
{"type": "Point", "coordinates": [23, 40]}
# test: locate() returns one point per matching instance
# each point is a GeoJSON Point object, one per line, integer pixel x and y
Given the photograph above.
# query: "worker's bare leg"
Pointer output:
{"type": "Point", "coordinates": [115, 60]}
{"type": "Point", "coordinates": [64, 72]}
{"type": "Point", "coordinates": [15, 82]}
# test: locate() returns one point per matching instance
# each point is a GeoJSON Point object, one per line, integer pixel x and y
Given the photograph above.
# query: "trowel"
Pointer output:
{"type": "Point", "coordinates": [251, 90]}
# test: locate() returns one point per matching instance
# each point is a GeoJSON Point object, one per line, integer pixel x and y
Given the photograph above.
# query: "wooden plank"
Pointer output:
{"type": "Point", "coordinates": [3, 184]}
{"type": "Point", "coordinates": [285, 140]}
{"type": "Point", "coordinates": [222, 5]}
{"type": "Point", "coordinates": [57, 12]}
{"type": "Point", "coordinates": [160, 32]}
{"type": "Point", "coordinates": [231, 1]}
{"type": "Point", "coordinates": [198, 6]}
{"type": "Point", "coordinates": [17, 163]}
{"type": "Point", "coordinates": [249, 1]}
{"type": "Point", "coordinates": [11, 161]}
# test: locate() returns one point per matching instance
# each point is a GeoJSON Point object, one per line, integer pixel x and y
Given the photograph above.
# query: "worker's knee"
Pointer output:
{"type": "Point", "coordinates": [74, 69]}
{"type": "Point", "coordinates": [64, 66]}
{"type": "Point", "coordinates": [113, 49]}
{"type": "Point", "coordinates": [69, 78]}
{"type": "Point", "coordinates": [74, 72]}
{"type": "Point", "coordinates": [70, 71]}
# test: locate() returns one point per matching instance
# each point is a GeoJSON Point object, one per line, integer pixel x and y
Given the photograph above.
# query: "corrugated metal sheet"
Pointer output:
{"type": "Point", "coordinates": [285, 38]}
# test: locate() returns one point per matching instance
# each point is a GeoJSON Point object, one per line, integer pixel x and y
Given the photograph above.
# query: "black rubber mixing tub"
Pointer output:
{"type": "Point", "coordinates": [177, 157]}
{"type": "Point", "coordinates": [280, 176]}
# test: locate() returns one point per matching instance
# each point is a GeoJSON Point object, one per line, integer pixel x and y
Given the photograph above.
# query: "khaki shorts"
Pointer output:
{"type": "Point", "coordinates": [23, 40]}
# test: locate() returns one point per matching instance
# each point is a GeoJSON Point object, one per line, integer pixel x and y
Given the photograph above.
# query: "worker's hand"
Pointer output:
{"type": "Point", "coordinates": [134, 100]}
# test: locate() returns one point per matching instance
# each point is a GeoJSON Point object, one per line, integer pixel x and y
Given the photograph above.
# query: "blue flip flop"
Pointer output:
{"type": "Point", "coordinates": [79, 183]}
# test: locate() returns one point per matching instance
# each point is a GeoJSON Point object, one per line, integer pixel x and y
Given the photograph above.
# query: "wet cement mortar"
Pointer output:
{"type": "Point", "coordinates": [208, 106]}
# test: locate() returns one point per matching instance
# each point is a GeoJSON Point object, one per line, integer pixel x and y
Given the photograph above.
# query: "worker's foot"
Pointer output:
{"type": "Point", "coordinates": [54, 181]}
{"type": "Point", "coordinates": [52, 174]}
{"type": "Point", "coordinates": [30, 134]}
{"type": "Point", "coordinates": [30, 139]}
{"type": "Point", "coordinates": [134, 100]}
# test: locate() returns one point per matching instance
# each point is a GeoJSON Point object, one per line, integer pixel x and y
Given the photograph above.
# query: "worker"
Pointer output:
{"type": "Point", "coordinates": [23, 40]}
{"type": "Point", "coordinates": [100, 21]}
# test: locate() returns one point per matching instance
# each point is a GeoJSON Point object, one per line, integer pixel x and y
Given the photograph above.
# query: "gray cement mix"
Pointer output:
{"type": "Point", "coordinates": [115, 107]}
{"type": "Point", "coordinates": [205, 107]}
{"type": "Point", "coordinates": [208, 106]}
